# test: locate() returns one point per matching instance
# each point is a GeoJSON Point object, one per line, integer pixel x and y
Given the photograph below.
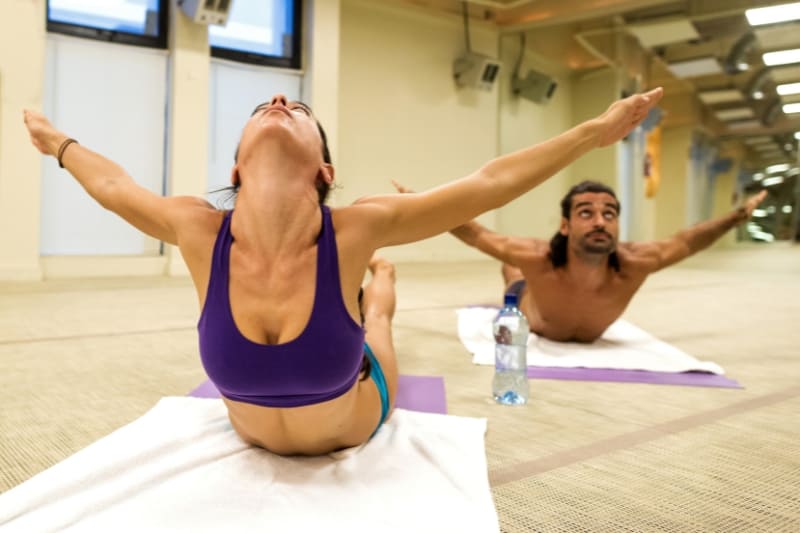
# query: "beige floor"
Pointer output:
{"type": "Point", "coordinates": [81, 358]}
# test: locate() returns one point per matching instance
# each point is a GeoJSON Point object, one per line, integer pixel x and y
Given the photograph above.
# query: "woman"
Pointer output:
{"type": "Point", "coordinates": [278, 277]}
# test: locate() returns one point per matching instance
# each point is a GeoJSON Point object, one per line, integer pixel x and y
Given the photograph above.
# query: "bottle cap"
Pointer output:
{"type": "Point", "coordinates": [510, 299]}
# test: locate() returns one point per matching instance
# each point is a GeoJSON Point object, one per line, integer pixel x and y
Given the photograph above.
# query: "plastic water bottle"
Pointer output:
{"type": "Point", "coordinates": [510, 383]}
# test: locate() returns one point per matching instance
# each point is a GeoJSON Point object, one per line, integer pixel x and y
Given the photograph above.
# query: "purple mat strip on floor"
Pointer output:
{"type": "Point", "coordinates": [415, 393]}
{"type": "Point", "coordinates": [691, 379]}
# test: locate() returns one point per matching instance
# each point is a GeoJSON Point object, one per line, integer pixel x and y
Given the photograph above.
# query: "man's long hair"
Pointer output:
{"type": "Point", "coordinates": [558, 244]}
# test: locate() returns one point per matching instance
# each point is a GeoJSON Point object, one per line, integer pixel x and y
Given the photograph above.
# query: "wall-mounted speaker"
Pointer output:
{"type": "Point", "coordinates": [475, 70]}
{"type": "Point", "coordinates": [206, 11]}
{"type": "Point", "coordinates": [536, 87]}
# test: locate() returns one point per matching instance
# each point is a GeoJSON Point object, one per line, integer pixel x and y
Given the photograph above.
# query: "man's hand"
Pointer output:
{"type": "Point", "coordinates": [401, 188]}
{"type": "Point", "coordinates": [753, 202]}
{"type": "Point", "coordinates": [625, 115]}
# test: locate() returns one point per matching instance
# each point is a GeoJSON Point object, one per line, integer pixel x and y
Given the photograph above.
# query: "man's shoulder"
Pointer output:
{"type": "Point", "coordinates": [535, 250]}
{"type": "Point", "coordinates": [637, 255]}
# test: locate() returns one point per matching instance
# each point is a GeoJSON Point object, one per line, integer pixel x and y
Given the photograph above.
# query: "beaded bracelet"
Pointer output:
{"type": "Point", "coordinates": [62, 148]}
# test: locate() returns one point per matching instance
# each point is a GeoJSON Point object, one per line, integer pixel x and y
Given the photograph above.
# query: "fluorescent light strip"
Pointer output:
{"type": "Point", "coordinates": [783, 167]}
{"type": "Point", "coordinates": [781, 57]}
{"type": "Point", "coordinates": [773, 14]}
{"type": "Point", "coordinates": [777, 180]}
{"type": "Point", "coordinates": [791, 108]}
{"type": "Point", "coordinates": [788, 88]}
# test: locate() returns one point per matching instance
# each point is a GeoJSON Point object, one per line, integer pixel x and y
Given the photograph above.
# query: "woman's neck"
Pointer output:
{"type": "Point", "coordinates": [276, 215]}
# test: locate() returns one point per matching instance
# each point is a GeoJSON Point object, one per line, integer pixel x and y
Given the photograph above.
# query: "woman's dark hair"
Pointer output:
{"type": "Point", "coordinates": [558, 244]}
{"type": "Point", "coordinates": [323, 188]}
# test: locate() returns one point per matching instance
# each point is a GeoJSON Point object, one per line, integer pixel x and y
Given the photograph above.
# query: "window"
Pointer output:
{"type": "Point", "coordinates": [140, 22]}
{"type": "Point", "coordinates": [266, 32]}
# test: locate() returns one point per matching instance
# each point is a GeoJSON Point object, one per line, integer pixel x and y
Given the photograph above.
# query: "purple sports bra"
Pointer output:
{"type": "Point", "coordinates": [320, 364]}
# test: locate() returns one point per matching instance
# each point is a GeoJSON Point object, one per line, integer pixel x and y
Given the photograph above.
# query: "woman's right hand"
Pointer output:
{"type": "Point", "coordinates": [44, 136]}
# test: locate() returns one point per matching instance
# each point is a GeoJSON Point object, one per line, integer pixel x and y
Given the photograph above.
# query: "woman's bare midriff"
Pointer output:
{"type": "Point", "coordinates": [315, 429]}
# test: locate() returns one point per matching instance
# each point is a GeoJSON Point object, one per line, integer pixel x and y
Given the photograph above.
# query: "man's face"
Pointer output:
{"type": "Point", "coordinates": [593, 225]}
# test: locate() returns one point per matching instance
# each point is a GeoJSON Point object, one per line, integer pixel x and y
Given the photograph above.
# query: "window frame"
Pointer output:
{"type": "Point", "coordinates": [292, 62]}
{"type": "Point", "coordinates": [113, 36]}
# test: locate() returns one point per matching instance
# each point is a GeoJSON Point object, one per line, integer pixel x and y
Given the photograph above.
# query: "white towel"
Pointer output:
{"type": "Point", "coordinates": [622, 346]}
{"type": "Point", "coordinates": [181, 467]}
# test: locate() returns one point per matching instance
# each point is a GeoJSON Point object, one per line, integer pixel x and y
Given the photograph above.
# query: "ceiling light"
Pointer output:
{"type": "Point", "coordinates": [791, 108]}
{"type": "Point", "coordinates": [757, 95]}
{"type": "Point", "coordinates": [758, 176]}
{"type": "Point", "coordinates": [773, 169]}
{"type": "Point", "coordinates": [759, 213]}
{"type": "Point", "coordinates": [697, 67]}
{"type": "Point", "coordinates": [788, 88]}
{"type": "Point", "coordinates": [786, 209]}
{"type": "Point", "coordinates": [777, 180]}
{"type": "Point", "coordinates": [773, 14]}
{"type": "Point", "coordinates": [781, 57]}
{"type": "Point", "coordinates": [734, 114]}
{"type": "Point", "coordinates": [664, 32]}
{"type": "Point", "coordinates": [762, 235]}
{"type": "Point", "coordinates": [721, 96]}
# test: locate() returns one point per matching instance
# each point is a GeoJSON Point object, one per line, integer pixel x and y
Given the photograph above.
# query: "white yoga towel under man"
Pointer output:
{"type": "Point", "coordinates": [623, 346]}
{"type": "Point", "coordinates": [181, 467]}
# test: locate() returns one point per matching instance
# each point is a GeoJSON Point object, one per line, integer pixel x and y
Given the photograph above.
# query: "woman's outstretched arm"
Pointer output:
{"type": "Point", "coordinates": [402, 218]}
{"type": "Point", "coordinates": [110, 185]}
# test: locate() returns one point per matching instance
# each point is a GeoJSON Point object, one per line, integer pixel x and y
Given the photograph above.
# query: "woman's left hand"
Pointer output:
{"type": "Point", "coordinates": [44, 136]}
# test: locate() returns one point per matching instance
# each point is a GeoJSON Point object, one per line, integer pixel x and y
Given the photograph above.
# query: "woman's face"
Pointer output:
{"type": "Point", "coordinates": [290, 124]}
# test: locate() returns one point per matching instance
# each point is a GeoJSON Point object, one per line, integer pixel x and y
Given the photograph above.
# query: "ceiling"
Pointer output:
{"type": "Point", "coordinates": [703, 52]}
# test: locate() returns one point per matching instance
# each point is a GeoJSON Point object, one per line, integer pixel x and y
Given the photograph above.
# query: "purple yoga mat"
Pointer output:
{"type": "Point", "coordinates": [691, 379]}
{"type": "Point", "coordinates": [415, 393]}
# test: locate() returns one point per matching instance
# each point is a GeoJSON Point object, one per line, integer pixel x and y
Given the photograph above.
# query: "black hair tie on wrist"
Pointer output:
{"type": "Point", "coordinates": [63, 147]}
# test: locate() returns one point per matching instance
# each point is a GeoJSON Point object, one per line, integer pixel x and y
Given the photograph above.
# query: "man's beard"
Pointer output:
{"type": "Point", "coordinates": [592, 247]}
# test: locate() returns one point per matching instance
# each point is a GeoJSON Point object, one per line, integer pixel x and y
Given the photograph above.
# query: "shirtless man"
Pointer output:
{"type": "Point", "coordinates": [577, 284]}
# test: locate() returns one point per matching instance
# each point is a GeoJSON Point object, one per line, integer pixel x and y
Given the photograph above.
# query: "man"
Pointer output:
{"type": "Point", "coordinates": [575, 286]}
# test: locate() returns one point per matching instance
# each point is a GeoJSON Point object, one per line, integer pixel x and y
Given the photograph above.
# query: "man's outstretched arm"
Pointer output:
{"type": "Point", "coordinates": [700, 236]}
{"type": "Point", "coordinates": [502, 247]}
